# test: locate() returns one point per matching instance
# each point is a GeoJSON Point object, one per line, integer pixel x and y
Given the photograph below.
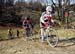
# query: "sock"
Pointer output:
{"type": "Point", "coordinates": [42, 38]}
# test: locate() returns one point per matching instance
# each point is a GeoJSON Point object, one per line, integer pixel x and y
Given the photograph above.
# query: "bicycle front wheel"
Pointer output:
{"type": "Point", "coordinates": [52, 38]}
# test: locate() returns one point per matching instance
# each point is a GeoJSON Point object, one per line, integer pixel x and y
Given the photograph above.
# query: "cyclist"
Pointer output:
{"type": "Point", "coordinates": [45, 20]}
{"type": "Point", "coordinates": [27, 26]}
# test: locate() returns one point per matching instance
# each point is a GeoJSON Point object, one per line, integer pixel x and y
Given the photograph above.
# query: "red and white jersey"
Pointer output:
{"type": "Point", "coordinates": [27, 24]}
{"type": "Point", "coordinates": [45, 20]}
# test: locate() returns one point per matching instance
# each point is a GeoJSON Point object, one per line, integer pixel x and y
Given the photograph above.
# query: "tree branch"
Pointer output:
{"type": "Point", "coordinates": [54, 4]}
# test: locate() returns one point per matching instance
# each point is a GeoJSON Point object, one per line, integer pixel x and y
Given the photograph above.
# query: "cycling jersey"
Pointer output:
{"type": "Point", "coordinates": [27, 24]}
{"type": "Point", "coordinates": [45, 20]}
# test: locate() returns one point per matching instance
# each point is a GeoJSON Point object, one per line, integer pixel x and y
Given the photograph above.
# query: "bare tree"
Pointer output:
{"type": "Point", "coordinates": [62, 7]}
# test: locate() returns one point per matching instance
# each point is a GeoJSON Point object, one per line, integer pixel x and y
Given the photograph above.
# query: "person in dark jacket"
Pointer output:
{"type": "Point", "coordinates": [10, 33]}
{"type": "Point", "coordinates": [17, 33]}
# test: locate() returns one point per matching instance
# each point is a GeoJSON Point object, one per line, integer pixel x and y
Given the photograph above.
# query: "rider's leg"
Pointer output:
{"type": "Point", "coordinates": [47, 32]}
{"type": "Point", "coordinates": [25, 32]}
{"type": "Point", "coordinates": [42, 34]}
{"type": "Point", "coordinates": [28, 32]}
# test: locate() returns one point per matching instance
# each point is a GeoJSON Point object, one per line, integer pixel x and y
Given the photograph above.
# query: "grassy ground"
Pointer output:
{"type": "Point", "coordinates": [62, 33]}
{"type": "Point", "coordinates": [4, 33]}
{"type": "Point", "coordinates": [66, 33]}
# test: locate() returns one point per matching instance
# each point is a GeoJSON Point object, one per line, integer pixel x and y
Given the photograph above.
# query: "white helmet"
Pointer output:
{"type": "Point", "coordinates": [25, 17]}
{"type": "Point", "coordinates": [48, 8]}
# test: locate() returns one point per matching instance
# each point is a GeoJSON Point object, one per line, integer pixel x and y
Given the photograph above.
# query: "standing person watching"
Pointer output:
{"type": "Point", "coordinates": [10, 33]}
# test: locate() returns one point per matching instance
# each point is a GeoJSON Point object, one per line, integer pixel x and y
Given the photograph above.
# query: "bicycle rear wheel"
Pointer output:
{"type": "Point", "coordinates": [39, 35]}
{"type": "Point", "coordinates": [52, 38]}
{"type": "Point", "coordinates": [27, 34]}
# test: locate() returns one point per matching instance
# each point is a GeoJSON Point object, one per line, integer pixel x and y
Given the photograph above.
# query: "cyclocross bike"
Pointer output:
{"type": "Point", "coordinates": [27, 32]}
{"type": "Point", "coordinates": [52, 36]}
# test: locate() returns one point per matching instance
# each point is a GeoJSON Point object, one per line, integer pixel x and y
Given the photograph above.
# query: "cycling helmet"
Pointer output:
{"type": "Point", "coordinates": [25, 17]}
{"type": "Point", "coordinates": [49, 8]}
{"type": "Point", "coordinates": [28, 17]}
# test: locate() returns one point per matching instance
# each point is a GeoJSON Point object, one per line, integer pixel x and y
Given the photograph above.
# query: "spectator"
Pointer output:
{"type": "Point", "coordinates": [10, 33]}
{"type": "Point", "coordinates": [17, 33]}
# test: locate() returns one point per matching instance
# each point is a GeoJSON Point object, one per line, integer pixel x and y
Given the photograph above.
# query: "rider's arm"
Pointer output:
{"type": "Point", "coordinates": [52, 20]}
{"type": "Point", "coordinates": [41, 19]}
{"type": "Point", "coordinates": [23, 24]}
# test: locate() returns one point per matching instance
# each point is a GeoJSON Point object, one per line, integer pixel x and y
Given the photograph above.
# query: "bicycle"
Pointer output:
{"type": "Point", "coordinates": [27, 33]}
{"type": "Point", "coordinates": [52, 36]}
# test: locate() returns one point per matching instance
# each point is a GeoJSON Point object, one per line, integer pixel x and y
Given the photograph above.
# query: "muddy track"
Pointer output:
{"type": "Point", "coordinates": [20, 46]}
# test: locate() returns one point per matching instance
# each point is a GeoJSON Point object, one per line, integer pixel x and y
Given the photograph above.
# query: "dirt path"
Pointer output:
{"type": "Point", "coordinates": [19, 46]}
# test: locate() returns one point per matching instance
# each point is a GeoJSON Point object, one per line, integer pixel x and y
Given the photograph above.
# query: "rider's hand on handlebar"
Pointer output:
{"type": "Point", "coordinates": [52, 22]}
